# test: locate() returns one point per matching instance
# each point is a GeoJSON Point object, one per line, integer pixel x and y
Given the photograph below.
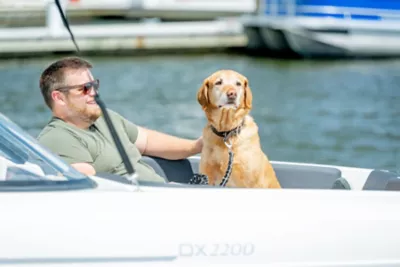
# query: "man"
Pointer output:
{"type": "Point", "coordinates": [77, 131]}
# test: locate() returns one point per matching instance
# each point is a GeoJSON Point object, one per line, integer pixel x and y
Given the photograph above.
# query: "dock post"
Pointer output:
{"type": "Point", "coordinates": [54, 22]}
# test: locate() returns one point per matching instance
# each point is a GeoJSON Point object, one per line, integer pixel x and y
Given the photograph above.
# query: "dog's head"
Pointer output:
{"type": "Point", "coordinates": [225, 89]}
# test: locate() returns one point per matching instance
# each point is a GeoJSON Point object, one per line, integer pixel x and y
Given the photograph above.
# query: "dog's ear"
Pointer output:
{"type": "Point", "coordinates": [202, 94]}
{"type": "Point", "coordinates": [248, 96]}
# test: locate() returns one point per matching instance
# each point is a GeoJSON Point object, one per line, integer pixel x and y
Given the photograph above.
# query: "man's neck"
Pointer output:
{"type": "Point", "coordinates": [77, 122]}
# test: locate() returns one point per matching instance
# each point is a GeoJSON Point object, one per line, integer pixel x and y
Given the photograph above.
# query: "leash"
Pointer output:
{"type": "Point", "coordinates": [228, 172]}
{"type": "Point", "coordinates": [202, 179]}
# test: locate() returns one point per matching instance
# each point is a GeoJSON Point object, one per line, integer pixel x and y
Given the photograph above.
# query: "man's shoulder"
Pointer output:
{"type": "Point", "coordinates": [113, 114]}
{"type": "Point", "coordinates": [121, 125]}
{"type": "Point", "coordinates": [115, 117]}
{"type": "Point", "coordinates": [54, 130]}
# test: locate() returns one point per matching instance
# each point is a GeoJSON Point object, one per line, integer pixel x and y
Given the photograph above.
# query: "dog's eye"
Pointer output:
{"type": "Point", "coordinates": [218, 82]}
{"type": "Point", "coordinates": [238, 84]}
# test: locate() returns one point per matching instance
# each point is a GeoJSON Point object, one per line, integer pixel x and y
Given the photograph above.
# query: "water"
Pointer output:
{"type": "Point", "coordinates": [329, 112]}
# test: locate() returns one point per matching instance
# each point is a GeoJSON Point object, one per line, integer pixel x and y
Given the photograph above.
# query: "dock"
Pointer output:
{"type": "Point", "coordinates": [124, 36]}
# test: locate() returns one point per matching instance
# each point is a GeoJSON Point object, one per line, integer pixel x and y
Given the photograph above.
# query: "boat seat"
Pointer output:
{"type": "Point", "coordinates": [393, 184]}
{"type": "Point", "coordinates": [379, 179]}
{"type": "Point", "coordinates": [298, 176]}
{"type": "Point", "coordinates": [179, 171]}
{"type": "Point", "coordinates": [289, 176]}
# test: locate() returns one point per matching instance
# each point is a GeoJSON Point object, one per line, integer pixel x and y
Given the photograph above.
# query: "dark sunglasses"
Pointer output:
{"type": "Point", "coordinates": [86, 87]}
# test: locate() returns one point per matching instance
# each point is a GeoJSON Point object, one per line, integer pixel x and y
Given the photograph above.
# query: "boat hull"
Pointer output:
{"type": "Point", "coordinates": [188, 226]}
{"type": "Point", "coordinates": [33, 12]}
{"type": "Point", "coordinates": [46, 220]}
{"type": "Point", "coordinates": [328, 31]}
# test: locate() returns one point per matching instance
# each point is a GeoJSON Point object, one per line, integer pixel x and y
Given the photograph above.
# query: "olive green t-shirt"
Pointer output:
{"type": "Point", "coordinates": [96, 145]}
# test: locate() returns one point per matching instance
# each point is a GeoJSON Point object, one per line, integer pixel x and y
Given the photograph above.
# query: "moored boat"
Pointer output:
{"type": "Point", "coordinates": [326, 28]}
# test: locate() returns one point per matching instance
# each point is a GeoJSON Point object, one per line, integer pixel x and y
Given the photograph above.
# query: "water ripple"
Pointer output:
{"type": "Point", "coordinates": [340, 112]}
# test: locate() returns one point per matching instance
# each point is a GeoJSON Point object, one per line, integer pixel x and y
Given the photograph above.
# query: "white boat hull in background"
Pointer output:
{"type": "Point", "coordinates": [27, 12]}
{"type": "Point", "coordinates": [318, 28]}
{"type": "Point", "coordinates": [315, 37]}
{"type": "Point", "coordinates": [240, 6]}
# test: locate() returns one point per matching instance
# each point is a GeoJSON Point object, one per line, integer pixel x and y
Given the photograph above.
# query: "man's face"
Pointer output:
{"type": "Point", "coordinates": [80, 101]}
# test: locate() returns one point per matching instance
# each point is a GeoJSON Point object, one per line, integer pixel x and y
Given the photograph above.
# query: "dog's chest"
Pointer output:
{"type": "Point", "coordinates": [218, 157]}
{"type": "Point", "coordinates": [220, 163]}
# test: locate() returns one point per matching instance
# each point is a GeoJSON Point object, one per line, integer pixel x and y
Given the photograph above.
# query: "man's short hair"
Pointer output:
{"type": "Point", "coordinates": [53, 76]}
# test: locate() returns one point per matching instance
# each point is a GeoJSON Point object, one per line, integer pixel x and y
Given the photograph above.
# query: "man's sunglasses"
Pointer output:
{"type": "Point", "coordinates": [86, 87]}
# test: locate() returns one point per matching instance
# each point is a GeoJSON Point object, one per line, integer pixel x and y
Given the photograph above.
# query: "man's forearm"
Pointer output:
{"type": "Point", "coordinates": [170, 147]}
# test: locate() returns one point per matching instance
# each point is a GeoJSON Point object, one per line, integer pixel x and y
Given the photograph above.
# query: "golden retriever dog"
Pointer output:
{"type": "Point", "coordinates": [226, 99]}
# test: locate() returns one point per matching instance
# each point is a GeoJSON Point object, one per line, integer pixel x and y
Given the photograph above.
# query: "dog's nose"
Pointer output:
{"type": "Point", "coordinates": [231, 93]}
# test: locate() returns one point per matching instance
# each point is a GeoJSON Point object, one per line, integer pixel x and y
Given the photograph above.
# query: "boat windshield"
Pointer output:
{"type": "Point", "coordinates": [25, 164]}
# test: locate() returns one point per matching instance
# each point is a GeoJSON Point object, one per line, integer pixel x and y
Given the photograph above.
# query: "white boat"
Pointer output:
{"type": "Point", "coordinates": [192, 9]}
{"type": "Point", "coordinates": [333, 28]}
{"type": "Point", "coordinates": [323, 216]}
{"type": "Point", "coordinates": [33, 12]}
{"type": "Point", "coordinates": [121, 36]}
{"type": "Point", "coordinates": [51, 215]}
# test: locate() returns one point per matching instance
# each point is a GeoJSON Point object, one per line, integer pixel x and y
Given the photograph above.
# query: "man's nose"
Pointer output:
{"type": "Point", "coordinates": [92, 91]}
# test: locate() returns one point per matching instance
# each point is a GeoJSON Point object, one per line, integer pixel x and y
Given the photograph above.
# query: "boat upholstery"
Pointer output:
{"type": "Point", "coordinates": [179, 171]}
{"type": "Point", "coordinates": [393, 184]}
{"type": "Point", "coordinates": [298, 176]}
{"type": "Point", "coordinates": [289, 176]}
{"type": "Point", "coordinates": [382, 180]}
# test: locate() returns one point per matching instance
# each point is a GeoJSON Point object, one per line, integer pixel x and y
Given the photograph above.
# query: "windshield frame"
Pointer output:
{"type": "Point", "coordinates": [72, 179]}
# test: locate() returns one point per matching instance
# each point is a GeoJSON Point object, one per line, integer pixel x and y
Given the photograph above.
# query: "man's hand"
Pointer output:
{"type": "Point", "coordinates": [198, 145]}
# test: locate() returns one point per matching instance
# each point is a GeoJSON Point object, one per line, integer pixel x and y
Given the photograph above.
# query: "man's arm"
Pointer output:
{"type": "Point", "coordinates": [69, 149]}
{"type": "Point", "coordinates": [153, 143]}
{"type": "Point", "coordinates": [84, 168]}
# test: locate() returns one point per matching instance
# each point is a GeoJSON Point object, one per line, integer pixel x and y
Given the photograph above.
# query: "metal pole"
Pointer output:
{"type": "Point", "coordinates": [54, 21]}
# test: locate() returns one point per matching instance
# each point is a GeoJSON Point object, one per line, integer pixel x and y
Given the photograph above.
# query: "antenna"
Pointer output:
{"type": "Point", "coordinates": [129, 167]}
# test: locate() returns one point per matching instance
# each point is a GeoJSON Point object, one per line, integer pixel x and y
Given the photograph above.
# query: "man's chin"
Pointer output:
{"type": "Point", "coordinates": [95, 113]}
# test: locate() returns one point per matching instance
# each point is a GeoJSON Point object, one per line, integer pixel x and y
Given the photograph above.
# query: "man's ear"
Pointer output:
{"type": "Point", "coordinates": [248, 96]}
{"type": "Point", "coordinates": [202, 94]}
{"type": "Point", "coordinates": [57, 97]}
